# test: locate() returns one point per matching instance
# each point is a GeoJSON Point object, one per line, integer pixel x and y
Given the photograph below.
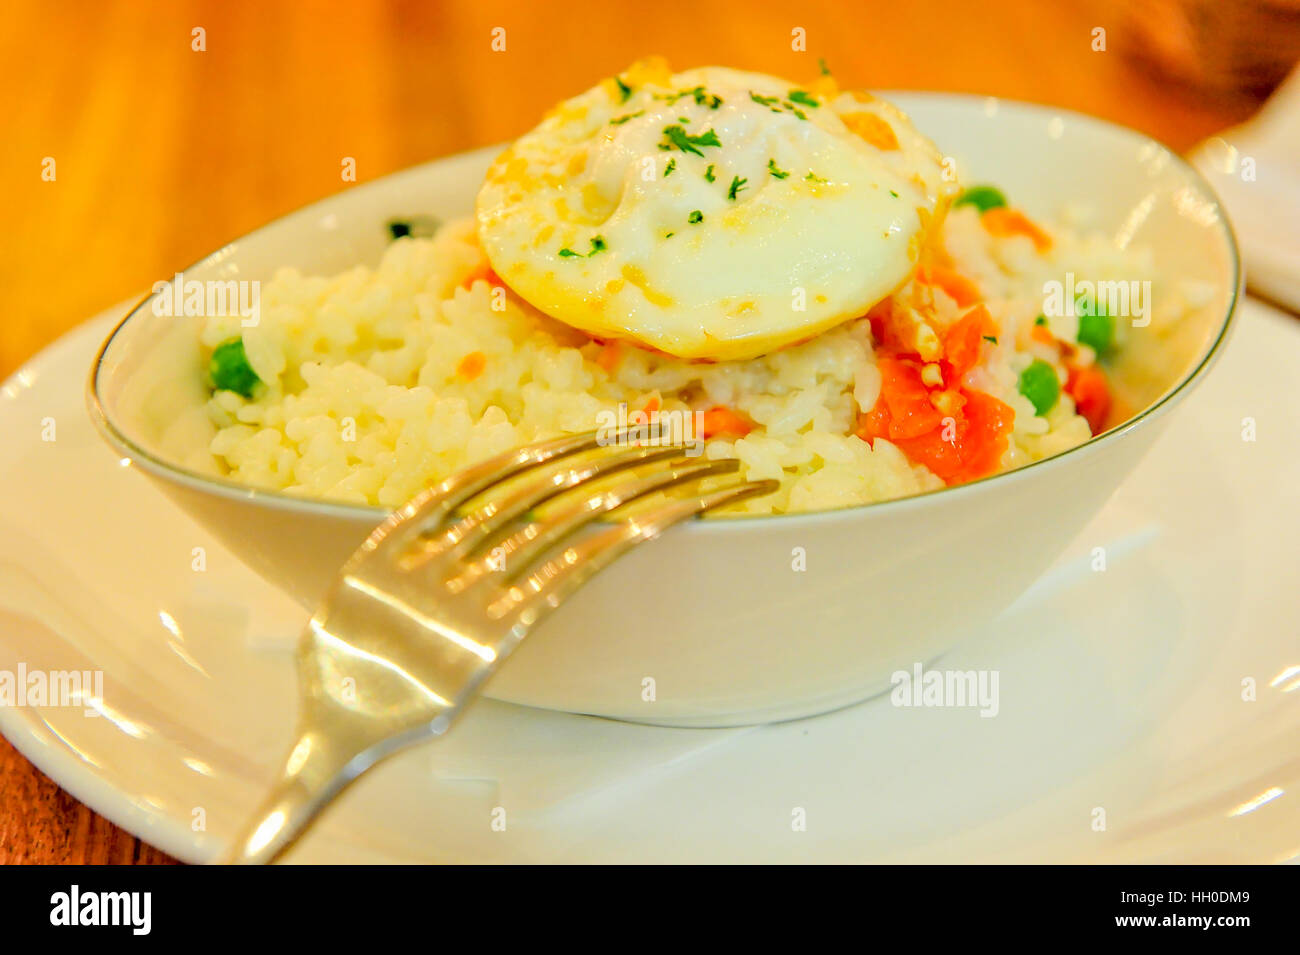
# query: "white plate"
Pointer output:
{"type": "Point", "coordinates": [1119, 690]}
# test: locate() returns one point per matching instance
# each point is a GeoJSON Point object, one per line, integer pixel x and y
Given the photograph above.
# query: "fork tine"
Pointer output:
{"type": "Point", "coordinates": [548, 586]}
{"type": "Point", "coordinates": [531, 541]}
{"type": "Point", "coordinates": [412, 518]}
{"type": "Point", "coordinates": [476, 527]}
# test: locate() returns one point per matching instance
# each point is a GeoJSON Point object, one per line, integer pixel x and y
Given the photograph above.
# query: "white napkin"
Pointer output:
{"type": "Point", "coordinates": [1255, 168]}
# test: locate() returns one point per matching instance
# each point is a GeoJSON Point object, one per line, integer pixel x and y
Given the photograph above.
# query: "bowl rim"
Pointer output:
{"type": "Point", "coordinates": [375, 514]}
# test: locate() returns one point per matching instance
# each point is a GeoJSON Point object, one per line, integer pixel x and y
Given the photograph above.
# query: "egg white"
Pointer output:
{"type": "Point", "coordinates": [617, 215]}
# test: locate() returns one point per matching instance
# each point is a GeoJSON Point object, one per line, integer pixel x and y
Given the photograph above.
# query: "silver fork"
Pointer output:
{"type": "Point", "coordinates": [433, 602]}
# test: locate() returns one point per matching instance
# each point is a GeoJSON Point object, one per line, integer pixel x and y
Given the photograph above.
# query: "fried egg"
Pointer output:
{"type": "Point", "coordinates": [711, 214]}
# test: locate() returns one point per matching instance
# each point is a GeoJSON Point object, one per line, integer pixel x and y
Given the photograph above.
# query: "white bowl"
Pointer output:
{"type": "Point", "coordinates": [715, 613]}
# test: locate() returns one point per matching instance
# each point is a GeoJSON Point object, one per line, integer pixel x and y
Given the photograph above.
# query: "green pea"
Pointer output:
{"type": "Point", "coordinates": [230, 369]}
{"type": "Point", "coordinates": [982, 198]}
{"type": "Point", "coordinates": [1040, 385]}
{"type": "Point", "coordinates": [1096, 327]}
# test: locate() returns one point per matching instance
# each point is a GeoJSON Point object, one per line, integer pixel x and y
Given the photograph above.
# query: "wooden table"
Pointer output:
{"type": "Point", "coordinates": [162, 153]}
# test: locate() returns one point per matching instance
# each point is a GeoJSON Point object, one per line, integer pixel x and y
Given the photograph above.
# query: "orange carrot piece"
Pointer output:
{"type": "Point", "coordinates": [472, 365]}
{"type": "Point", "coordinates": [989, 422]}
{"type": "Point", "coordinates": [911, 413]}
{"type": "Point", "coordinates": [959, 288]}
{"type": "Point", "coordinates": [610, 356]}
{"type": "Point", "coordinates": [1002, 222]}
{"type": "Point", "coordinates": [962, 342]}
{"type": "Point", "coordinates": [974, 446]}
{"type": "Point", "coordinates": [874, 423]}
{"type": "Point", "coordinates": [1091, 393]}
{"type": "Point", "coordinates": [720, 420]}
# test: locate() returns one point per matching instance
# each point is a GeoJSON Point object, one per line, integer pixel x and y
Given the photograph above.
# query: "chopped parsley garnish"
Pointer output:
{"type": "Point", "coordinates": [620, 120]}
{"type": "Point", "coordinates": [706, 99]}
{"type": "Point", "coordinates": [775, 170]}
{"type": "Point", "coordinates": [624, 90]}
{"type": "Point", "coordinates": [597, 245]}
{"type": "Point", "coordinates": [669, 235]}
{"type": "Point", "coordinates": [991, 339]}
{"type": "Point", "coordinates": [1041, 320]}
{"type": "Point", "coordinates": [683, 119]}
{"type": "Point", "coordinates": [417, 227]}
{"type": "Point", "coordinates": [668, 169]}
{"type": "Point", "coordinates": [803, 98]}
{"type": "Point", "coordinates": [678, 138]}
{"type": "Point", "coordinates": [737, 184]}
{"type": "Point", "coordinates": [775, 103]}
{"type": "Point", "coordinates": [893, 193]}
{"type": "Point", "coordinates": [708, 174]}
{"type": "Point", "coordinates": [698, 93]}
{"type": "Point", "coordinates": [813, 177]}
{"type": "Point", "coordinates": [821, 65]}
{"type": "Point", "coordinates": [694, 217]}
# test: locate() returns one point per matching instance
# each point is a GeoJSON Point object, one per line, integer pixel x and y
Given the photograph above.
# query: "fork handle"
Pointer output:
{"type": "Point", "coordinates": [316, 770]}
